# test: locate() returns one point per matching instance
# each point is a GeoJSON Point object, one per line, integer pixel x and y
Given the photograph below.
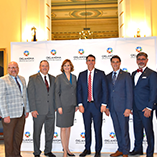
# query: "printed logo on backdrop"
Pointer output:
{"type": "Point", "coordinates": [56, 139]}
{"type": "Point", "coordinates": [81, 140]}
{"type": "Point", "coordinates": [27, 138]}
{"type": "Point", "coordinates": [111, 139]}
{"type": "Point", "coordinates": [26, 57]}
{"type": "Point", "coordinates": [53, 56]}
{"type": "Point", "coordinates": [138, 49]}
{"type": "Point", "coordinates": [81, 55]}
{"type": "Point", "coordinates": [108, 54]}
{"type": "Point", "coordinates": [125, 69]}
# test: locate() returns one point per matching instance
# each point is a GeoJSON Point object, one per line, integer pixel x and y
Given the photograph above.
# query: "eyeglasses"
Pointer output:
{"type": "Point", "coordinates": [141, 59]}
{"type": "Point", "coordinates": [12, 68]}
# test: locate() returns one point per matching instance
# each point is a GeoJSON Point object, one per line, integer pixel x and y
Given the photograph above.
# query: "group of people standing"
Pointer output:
{"type": "Point", "coordinates": [118, 94]}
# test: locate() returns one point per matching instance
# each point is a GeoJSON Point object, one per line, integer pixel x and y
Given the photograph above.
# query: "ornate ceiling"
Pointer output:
{"type": "Point", "coordinates": [68, 18]}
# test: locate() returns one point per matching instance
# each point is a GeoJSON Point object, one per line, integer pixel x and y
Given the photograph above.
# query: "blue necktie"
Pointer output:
{"type": "Point", "coordinates": [114, 78]}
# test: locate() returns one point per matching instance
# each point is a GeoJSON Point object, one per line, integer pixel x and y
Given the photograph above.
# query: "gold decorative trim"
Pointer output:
{"type": "Point", "coordinates": [48, 5]}
{"type": "Point", "coordinates": [48, 28]}
{"type": "Point", "coordinates": [121, 25]}
{"type": "Point", "coordinates": [121, 13]}
{"type": "Point", "coordinates": [121, 1]}
{"type": "Point", "coordinates": [48, 16]}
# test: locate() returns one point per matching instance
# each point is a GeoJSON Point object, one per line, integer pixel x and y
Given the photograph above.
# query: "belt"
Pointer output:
{"type": "Point", "coordinates": [90, 101]}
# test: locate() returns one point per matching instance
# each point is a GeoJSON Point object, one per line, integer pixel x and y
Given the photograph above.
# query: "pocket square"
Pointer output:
{"type": "Point", "coordinates": [144, 77]}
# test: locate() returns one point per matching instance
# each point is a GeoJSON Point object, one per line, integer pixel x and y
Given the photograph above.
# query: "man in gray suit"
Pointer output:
{"type": "Point", "coordinates": [120, 104]}
{"type": "Point", "coordinates": [14, 109]}
{"type": "Point", "coordinates": [41, 93]}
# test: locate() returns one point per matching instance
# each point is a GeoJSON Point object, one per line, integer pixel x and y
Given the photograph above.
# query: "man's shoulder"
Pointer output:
{"type": "Point", "coordinates": [83, 72]}
{"type": "Point", "coordinates": [34, 75]}
{"type": "Point", "coordinates": [148, 70]}
{"type": "Point", "coordinates": [51, 76]}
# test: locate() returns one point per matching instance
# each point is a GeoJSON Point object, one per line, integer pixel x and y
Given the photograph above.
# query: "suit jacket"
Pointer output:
{"type": "Point", "coordinates": [39, 99]}
{"type": "Point", "coordinates": [120, 94]}
{"type": "Point", "coordinates": [65, 92]}
{"type": "Point", "coordinates": [11, 99]}
{"type": "Point", "coordinates": [145, 90]}
{"type": "Point", "coordinates": [100, 88]}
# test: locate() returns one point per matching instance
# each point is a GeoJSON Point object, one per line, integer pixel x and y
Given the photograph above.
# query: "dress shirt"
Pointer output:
{"type": "Point", "coordinates": [137, 75]}
{"type": "Point", "coordinates": [92, 76]}
{"type": "Point", "coordinates": [47, 77]}
{"type": "Point", "coordinates": [117, 72]}
{"type": "Point", "coordinates": [21, 86]}
{"type": "Point", "coordinates": [18, 79]}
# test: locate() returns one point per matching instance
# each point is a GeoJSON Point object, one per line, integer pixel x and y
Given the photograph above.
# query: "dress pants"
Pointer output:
{"type": "Point", "coordinates": [121, 127]}
{"type": "Point", "coordinates": [48, 121]}
{"type": "Point", "coordinates": [93, 113]}
{"type": "Point", "coordinates": [13, 136]}
{"type": "Point", "coordinates": [140, 123]}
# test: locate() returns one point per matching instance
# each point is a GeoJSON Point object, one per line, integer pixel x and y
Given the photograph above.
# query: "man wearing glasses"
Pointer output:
{"type": "Point", "coordinates": [14, 109]}
{"type": "Point", "coordinates": [92, 96]}
{"type": "Point", "coordinates": [145, 89]}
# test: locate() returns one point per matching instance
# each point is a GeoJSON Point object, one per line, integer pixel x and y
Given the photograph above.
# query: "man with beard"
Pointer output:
{"type": "Point", "coordinates": [145, 82]}
{"type": "Point", "coordinates": [14, 109]}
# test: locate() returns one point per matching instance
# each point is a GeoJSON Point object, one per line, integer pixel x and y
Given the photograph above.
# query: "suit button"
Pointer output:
{"type": "Point", "coordinates": [47, 101]}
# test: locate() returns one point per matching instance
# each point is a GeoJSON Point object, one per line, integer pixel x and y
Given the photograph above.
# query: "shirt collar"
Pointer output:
{"type": "Point", "coordinates": [117, 72]}
{"type": "Point", "coordinates": [91, 71]}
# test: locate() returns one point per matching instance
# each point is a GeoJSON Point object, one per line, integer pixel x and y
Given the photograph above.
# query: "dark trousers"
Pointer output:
{"type": "Point", "coordinates": [121, 127]}
{"type": "Point", "coordinates": [13, 136]}
{"type": "Point", "coordinates": [140, 123]}
{"type": "Point", "coordinates": [92, 113]}
{"type": "Point", "coordinates": [48, 121]}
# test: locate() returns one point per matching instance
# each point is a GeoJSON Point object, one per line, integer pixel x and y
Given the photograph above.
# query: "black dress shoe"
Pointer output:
{"type": "Point", "coordinates": [135, 153]}
{"type": "Point", "coordinates": [97, 154]}
{"type": "Point", "coordinates": [50, 154]}
{"type": "Point", "coordinates": [85, 152]}
{"type": "Point", "coordinates": [70, 154]}
{"type": "Point", "coordinates": [37, 155]}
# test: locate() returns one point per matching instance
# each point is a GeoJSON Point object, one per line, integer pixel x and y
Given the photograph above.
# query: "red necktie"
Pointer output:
{"type": "Point", "coordinates": [89, 88]}
{"type": "Point", "coordinates": [139, 70]}
{"type": "Point", "coordinates": [46, 83]}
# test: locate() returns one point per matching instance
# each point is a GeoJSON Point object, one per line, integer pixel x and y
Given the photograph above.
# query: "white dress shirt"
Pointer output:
{"type": "Point", "coordinates": [47, 77]}
{"type": "Point", "coordinates": [92, 77]}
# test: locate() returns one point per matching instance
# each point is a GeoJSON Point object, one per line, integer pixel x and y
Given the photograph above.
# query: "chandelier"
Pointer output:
{"type": "Point", "coordinates": [86, 33]}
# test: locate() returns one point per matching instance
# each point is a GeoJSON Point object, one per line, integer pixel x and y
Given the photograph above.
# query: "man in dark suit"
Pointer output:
{"type": "Point", "coordinates": [41, 93]}
{"type": "Point", "coordinates": [145, 82]}
{"type": "Point", "coordinates": [120, 104]}
{"type": "Point", "coordinates": [92, 95]}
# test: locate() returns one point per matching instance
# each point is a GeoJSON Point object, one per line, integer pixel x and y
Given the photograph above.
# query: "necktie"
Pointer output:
{"type": "Point", "coordinates": [46, 83]}
{"type": "Point", "coordinates": [89, 88]}
{"type": "Point", "coordinates": [18, 83]}
{"type": "Point", "coordinates": [114, 78]}
{"type": "Point", "coordinates": [140, 70]}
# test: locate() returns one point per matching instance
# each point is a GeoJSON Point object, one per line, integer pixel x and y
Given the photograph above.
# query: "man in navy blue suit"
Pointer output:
{"type": "Point", "coordinates": [92, 96]}
{"type": "Point", "coordinates": [145, 89]}
{"type": "Point", "coordinates": [120, 104]}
